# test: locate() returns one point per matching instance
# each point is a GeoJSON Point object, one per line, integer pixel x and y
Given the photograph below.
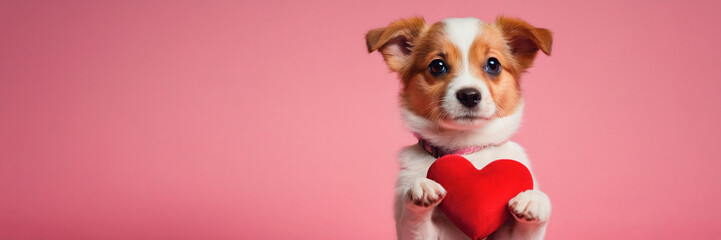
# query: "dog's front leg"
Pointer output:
{"type": "Point", "coordinates": [531, 210]}
{"type": "Point", "coordinates": [419, 200]}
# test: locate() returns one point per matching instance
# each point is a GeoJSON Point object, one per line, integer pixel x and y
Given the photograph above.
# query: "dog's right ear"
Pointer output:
{"type": "Point", "coordinates": [395, 41]}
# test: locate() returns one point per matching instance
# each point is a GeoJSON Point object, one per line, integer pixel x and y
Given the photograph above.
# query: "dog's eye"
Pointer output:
{"type": "Point", "coordinates": [437, 67]}
{"type": "Point", "coordinates": [493, 66]}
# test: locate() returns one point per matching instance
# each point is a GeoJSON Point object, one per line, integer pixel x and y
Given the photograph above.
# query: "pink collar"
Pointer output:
{"type": "Point", "coordinates": [438, 152]}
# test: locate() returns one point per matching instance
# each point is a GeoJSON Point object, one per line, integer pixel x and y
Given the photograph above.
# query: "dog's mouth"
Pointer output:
{"type": "Point", "coordinates": [467, 118]}
{"type": "Point", "coordinates": [464, 122]}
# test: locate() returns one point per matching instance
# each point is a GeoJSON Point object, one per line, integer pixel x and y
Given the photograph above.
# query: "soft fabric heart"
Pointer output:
{"type": "Point", "coordinates": [477, 200]}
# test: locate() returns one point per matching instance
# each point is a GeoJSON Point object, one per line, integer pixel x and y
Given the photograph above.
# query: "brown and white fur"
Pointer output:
{"type": "Point", "coordinates": [432, 108]}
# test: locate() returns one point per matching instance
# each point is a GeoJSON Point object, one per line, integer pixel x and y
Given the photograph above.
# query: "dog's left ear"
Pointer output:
{"type": "Point", "coordinates": [525, 40]}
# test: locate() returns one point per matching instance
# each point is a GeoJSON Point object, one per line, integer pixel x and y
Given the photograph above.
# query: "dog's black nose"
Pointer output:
{"type": "Point", "coordinates": [469, 97]}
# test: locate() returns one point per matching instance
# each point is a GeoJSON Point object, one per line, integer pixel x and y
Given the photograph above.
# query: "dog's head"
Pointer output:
{"type": "Point", "coordinates": [460, 76]}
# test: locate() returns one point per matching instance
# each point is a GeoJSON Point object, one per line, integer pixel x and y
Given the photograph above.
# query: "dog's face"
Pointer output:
{"type": "Point", "coordinates": [460, 74]}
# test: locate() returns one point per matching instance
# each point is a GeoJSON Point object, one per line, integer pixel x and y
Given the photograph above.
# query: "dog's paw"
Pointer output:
{"type": "Point", "coordinates": [530, 206]}
{"type": "Point", "coordinates": [425, 193]}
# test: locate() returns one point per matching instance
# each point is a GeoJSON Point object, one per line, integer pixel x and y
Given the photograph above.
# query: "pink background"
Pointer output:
{"type": "Point", "coordinates": [250, 120]}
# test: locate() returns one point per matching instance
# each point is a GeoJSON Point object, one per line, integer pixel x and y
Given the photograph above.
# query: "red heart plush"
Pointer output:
{"type": "Point", "coordinates": [477, 200]}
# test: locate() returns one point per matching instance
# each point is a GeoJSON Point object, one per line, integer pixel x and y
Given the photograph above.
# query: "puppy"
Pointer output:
{"type": "Point", "coordinates": [460, 95]}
